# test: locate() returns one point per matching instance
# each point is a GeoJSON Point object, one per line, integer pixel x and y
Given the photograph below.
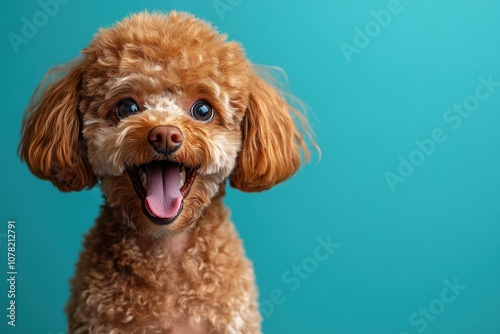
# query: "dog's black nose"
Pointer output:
{"type": "Point", "coordinates": [165, 139]}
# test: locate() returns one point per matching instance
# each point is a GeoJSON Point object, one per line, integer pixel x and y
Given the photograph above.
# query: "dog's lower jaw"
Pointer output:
{"type": "Point", "coordinates": [199, 279]}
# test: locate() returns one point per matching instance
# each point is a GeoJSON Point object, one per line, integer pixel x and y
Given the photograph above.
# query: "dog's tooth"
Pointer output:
{"type": "Point", "coordinates": [144, 178]}
{"type": "Point", "coordinates": [182, 177]}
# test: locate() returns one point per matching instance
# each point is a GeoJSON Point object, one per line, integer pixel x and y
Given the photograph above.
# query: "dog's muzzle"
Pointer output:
{"type": "Point", "coordinates": [162, 185]}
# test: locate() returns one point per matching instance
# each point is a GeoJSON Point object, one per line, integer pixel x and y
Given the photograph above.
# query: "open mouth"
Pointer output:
{"type": "Point", "coordinates": [162, 187]}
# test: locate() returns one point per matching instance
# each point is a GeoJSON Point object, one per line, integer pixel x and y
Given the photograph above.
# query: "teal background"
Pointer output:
{"type": "Point", "coordinates": [396, 247]}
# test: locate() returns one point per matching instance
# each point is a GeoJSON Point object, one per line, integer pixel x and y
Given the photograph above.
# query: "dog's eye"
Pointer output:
{"type": "Point", "coordinates": [126, 107]}
{"type": "Point", "coordinates": [202, 111]}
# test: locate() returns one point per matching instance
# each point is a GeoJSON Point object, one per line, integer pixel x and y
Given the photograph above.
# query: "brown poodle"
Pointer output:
{"type": "Point", "coordinates": [160, 110]}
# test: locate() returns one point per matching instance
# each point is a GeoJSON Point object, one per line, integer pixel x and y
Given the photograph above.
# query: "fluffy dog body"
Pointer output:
{"type": "Point", "coordinates": [161, 111]}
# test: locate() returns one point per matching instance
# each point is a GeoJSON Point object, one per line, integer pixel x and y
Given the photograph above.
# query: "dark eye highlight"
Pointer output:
{"type": "Point", "coordinates": [126, 107]}
{"type": "Point", "coordinates": [202, 111]}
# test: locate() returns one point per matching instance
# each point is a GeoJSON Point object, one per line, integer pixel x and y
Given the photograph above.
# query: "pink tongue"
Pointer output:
{"type": "Point", "coordinates": [163, 197]}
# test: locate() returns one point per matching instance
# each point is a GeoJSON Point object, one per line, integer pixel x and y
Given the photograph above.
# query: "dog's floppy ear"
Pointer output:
{"type": "Point", "coordinates": [272, 143]}
{"type": "Point", "coordinates": [51, 142]}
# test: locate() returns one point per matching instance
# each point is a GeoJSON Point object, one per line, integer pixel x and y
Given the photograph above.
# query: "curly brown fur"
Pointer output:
{"type": "Point", "coordinates": [162, 268]}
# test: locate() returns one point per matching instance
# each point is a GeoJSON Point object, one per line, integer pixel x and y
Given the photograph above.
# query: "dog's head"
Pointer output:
{"type": "Point", "coordinates": [161, 110]}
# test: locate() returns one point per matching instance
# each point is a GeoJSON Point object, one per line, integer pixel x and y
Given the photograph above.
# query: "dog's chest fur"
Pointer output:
{"type": "Point", "coordinates": [127, 284]}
